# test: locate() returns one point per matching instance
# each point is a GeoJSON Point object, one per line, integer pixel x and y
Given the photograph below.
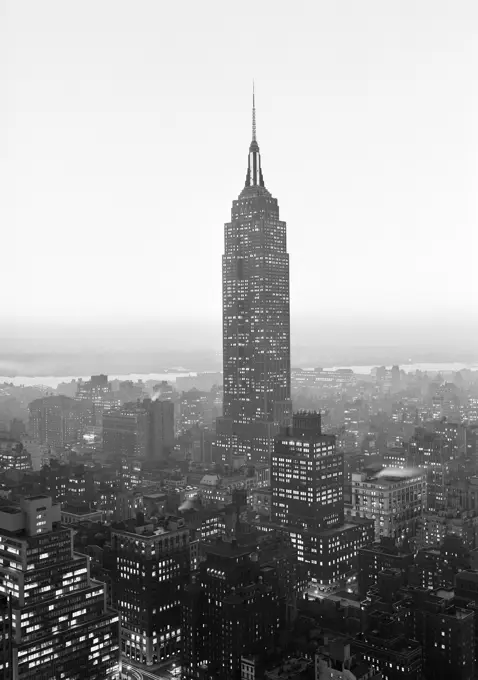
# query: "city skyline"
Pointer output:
{"type": "Point", "coordinates": [377, 142]}
{"type": "Point", "coordinates": [299, 500]}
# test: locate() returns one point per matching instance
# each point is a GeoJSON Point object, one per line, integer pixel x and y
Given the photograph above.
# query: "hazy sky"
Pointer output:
{"type": "Point", "coordinates": [124, 135]}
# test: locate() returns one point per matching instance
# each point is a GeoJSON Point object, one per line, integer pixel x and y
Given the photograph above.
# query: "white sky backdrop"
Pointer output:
{"type": "Point", "coordinates": [124, 134]}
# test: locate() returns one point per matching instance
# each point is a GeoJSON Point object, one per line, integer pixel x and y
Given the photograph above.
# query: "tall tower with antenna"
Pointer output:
{"type": "Point", "coordinates": [256, 322]}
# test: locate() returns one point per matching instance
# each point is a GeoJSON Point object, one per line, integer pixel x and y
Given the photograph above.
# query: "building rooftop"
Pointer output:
{"type": "Point", "coordinates": [210, 480]}
{"type": "Point", "coordinates": [73, 510]}
{"type": "Point", "coordinates": [227, 548]}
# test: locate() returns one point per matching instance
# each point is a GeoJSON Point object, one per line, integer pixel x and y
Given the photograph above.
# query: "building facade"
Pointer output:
{"type": "Point", "coordinates": [307, 476]}
{"type": "Point", "coordinates": [394, 499]}
{"type": "Point", "coordinates": [229, 610]}
{"type": "Point", "coordinates": [151, 564]}
{"type": "Point", "coordinates": [307, 480]}
{"type": "Point", "coordinates": [139, 430]}
{"type": "Point", "coordinates": [58, 420]}
{"type": "Point", "coordinates": [60, 625]}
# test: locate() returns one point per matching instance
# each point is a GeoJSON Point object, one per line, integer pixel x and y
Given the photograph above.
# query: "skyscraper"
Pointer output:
{"type": "Point", "coordinates": [231, 609]}
{"type": "Point", "coordinates": [256, 321]}
{"type": "Point", "coordinates": [307, 476]}
{"type": "Point", "coordinates": [151, 563]}
{"type": "Point", "coordinates": [60, 625]}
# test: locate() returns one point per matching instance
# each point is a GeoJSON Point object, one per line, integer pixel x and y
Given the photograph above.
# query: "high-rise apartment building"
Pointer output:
{"type": "Point", "coordinates": [58, 420]}
{"type": "Point", "coordinates": [60, 625]}
{"type": "Point", "coordinates": [256, 322]}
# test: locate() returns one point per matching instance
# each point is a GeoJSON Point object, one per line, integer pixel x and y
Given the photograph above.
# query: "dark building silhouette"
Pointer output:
{"type": "Point", "coordinates": [140, 430]}
{"type": "Point", "coordinates": [373, 558]}
{"type": "Point", "coordinates": [66, 483]}
{"type": "Point", "coordinates": [433, 451]}
{"type": "Point", "coordinates": [231, 609]}
{"type": "Point", "coordinates": [256, 322]}
{"type": "Point", "coordinates": [150, 566]}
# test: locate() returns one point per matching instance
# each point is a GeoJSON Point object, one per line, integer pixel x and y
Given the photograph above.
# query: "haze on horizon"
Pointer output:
{"type": "Point", "coordinates": [125, 141]}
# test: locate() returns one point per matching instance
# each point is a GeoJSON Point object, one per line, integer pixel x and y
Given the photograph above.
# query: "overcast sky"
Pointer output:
{"type": "Point", "coordinates": [125, 128]}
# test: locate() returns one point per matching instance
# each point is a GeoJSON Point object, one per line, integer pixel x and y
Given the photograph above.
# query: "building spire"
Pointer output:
{"type": "Point", "coordinates": [254, 175]}
{"type": "Point", "coordinates": [253, 113]}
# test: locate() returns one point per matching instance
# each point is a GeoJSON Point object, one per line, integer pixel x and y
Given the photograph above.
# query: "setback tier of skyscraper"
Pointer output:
{"type": "Point", "coordinates": [307, 501]}
{"type": "Point", "coordinates": [256, 322]}
{"type": "Point", "coordinates": [60, 625]}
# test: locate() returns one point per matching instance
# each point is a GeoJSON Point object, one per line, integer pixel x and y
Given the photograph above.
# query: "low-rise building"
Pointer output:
{"type": "Point", "coordinates": [71, 515]}
{"type": "Point", "coordinates": [394, 499]}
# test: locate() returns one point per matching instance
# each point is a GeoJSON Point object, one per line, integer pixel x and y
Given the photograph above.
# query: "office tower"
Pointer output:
{"type": "Point", "coordinates": [256, 323]}
{"type": "Point", "coordinates": [58, 420]}
{"type": "Point", "coordinates": [93, 389]}
{"type": "Point", "coordinates": [98, 392]}
{"type": "Point", "coordinates": [151, 565]}
{"type": "Point", "coordinates": [61, 627]}
{"type": "Point", "coordinates": [195, 408]}
{"type": "Point", "coordinates": [394, 499]}
{"type": "Point", "coordinates": [229, 610]}
{"type": "Point", "coordinates": [307, 476]}
{"type": "Point", "coordinates": [162, 427]}
{"type": "Point", "coordinates": [140, 430]}
{"type": "Point", "coordinates": [434, 453]}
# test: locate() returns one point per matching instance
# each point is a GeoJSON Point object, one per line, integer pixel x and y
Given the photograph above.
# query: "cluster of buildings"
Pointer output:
{"type": "Point", "coordinates": [213, 528]}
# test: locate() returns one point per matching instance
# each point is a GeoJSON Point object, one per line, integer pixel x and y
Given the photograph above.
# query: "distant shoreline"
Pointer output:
{"type": "Point", "coordinates": [52, 381]}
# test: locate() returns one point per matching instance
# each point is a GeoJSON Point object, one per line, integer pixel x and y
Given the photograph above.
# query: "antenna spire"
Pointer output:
{"type": "Point", "coordinates": [253, 113]}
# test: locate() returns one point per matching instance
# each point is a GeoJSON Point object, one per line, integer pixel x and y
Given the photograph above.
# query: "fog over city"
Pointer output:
{"type": "Point", "coordinates": [238, 340]}
{"type": "Point", "coordinates": [125, 142]}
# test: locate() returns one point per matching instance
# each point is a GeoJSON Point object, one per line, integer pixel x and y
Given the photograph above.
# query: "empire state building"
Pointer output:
{"type": "Point", "coordinates": [256, 322]}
